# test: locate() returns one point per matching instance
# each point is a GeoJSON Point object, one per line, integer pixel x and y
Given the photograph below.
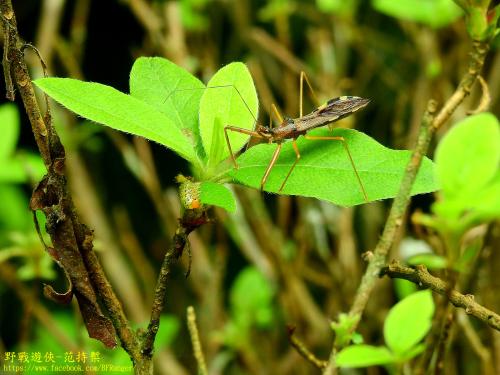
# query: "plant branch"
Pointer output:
{"type": "Point", "coordinates": [378, 258]}
{"type": "Point", "coordinates": [430, 123]}
{"type": "Point", "coordinates": [477, 56]}
{"type": "Point", "coordinates": [72, 240]}
{"type": "Point", "coordinates": [190, 220]}
{"type": "Point", "coordinates": [303, 351]}
{"type": "Point", "coordinates": [420, 276]}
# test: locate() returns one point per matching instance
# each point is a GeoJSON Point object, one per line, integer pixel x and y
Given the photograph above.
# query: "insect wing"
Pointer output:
{"type": "Point", "coordinates": [340, 107]}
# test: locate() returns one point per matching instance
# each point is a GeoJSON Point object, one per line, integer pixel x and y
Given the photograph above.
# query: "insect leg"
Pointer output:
{"type": "Point", "coordinates": [303, 77]}
{"type": "Point", "coordinates": [342, 139]}
{"type": "Point", "coordinates": [270, 166]}
{"type": "Point", "coordinates": [297, 158]}
{"type": "Point", "coordinates": [237, 130]}
{"type": "Point", "coordinates": [277, 113]}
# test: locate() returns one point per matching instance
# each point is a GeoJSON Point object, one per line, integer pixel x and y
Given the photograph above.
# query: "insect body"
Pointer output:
{"type": "Point", "coordinates": [334, 110]}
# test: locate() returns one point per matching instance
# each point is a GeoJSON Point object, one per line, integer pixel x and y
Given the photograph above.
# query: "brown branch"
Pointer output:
{"type": "Point", "coordinates": [72, 240]}
{"type": "Point", "coordinates": [477, 56]}
{"type": "Point", "coordinates": [303, 351]}
{"type": "Point", "coordinates": [191, 220]}
{"type": "Point", "coordinates": [420, 276]}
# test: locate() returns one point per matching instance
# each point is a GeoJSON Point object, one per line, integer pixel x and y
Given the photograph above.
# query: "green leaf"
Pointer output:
{"type": "Point", "coordinates": [234, 104]}
{"type": "Point", "coordinates": [408, 322]}
{"type": "Point", "coordinates": [364, 356]}
{"type": "Point", "coordinates": [468, 156]}
{"type": "Point", "coordinates": [325, 172]}
{"type": "Point", "coordinates": [464, 211]}
{"type": "Point", "coordinates": [435, 13]}
{"type": "Point", "coordinates": [172, 91]}
{"type": "Point", "coordinates": [217, 195]}
{"type": "Point", "coordinates": [9, 121]}
{"type": "Point", "coordinates": [486, 203]}
{"type": "Point", "coordinates": [430, 260]}
{"type": "Point", "coordinates": [117, 110]}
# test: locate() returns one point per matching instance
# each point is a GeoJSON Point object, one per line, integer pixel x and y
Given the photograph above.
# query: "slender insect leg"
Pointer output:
{"type": "Point", "coordinates": [303, 77]}
{"type": "Point", "coordinates": [270, 166]}
{"type": "Point", "coordinates": [237, 130]}
{"type": "Point", "coordinates": [332, 138]}
{"type": "Point", "coordinates": [297, 154]}
{"type": "Point", "coordinates": [277, 113]}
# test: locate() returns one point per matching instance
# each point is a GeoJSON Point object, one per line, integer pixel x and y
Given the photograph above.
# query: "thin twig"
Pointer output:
{"type": "Point", "coordinates": [478, 54]}
{"type": "Point", "coordinates": [485, 101]}
{"type": "Point", "coordinates": [191, 219]}
{"type": "Point", "coordinates": [424, 279]}
{"type": "Point", "coordinates": [303, 351]}
{"type": "Point", "coordinates": [195, 340]}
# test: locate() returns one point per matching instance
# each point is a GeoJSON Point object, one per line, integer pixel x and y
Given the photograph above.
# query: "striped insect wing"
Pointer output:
{"type": "Point", "coordinates": [342, 106]}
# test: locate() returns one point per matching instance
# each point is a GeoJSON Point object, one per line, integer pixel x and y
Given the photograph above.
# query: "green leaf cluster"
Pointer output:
{"type": "Point", "coordinates": [170, 106]}
{"type": "Point", "coordinates": [407, 323]}
{"type": "Point", "coordinates": [468, 169]}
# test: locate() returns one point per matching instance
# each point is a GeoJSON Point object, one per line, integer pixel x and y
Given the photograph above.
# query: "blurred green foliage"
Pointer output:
{"type": "Point", "coordinates": [251, 307]}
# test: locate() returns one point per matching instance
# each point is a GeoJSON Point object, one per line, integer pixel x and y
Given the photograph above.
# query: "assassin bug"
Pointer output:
{"type": "Point", "coordinates": [333, 110]}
